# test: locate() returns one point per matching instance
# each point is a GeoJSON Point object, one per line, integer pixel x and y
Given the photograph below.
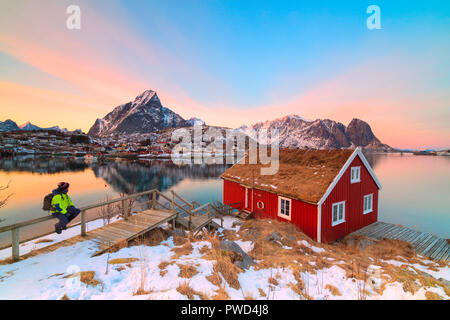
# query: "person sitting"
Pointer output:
{"type": "Point", "coordinates": [62, 207]}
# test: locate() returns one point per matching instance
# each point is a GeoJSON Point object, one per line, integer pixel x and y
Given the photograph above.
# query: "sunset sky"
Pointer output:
{"type": "Point", "coordinates": [232, 62]}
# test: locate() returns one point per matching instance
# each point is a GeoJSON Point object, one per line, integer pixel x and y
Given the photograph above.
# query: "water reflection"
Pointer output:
{"type": "Point", "coordinates": [132, 177]}
{"type": "Point", "coordinates": [42, 165]}
{"type": "Point", "coordinates": [91, 183]}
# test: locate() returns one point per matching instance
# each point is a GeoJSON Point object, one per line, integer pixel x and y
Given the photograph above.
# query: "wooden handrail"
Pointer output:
{"type": "Point", "coordinates": [84, 208]}
{"type": "Point", "coordinates": [191, 210]}
{"type": "Point", "coordinates": [179, 197]}
{"type": "Point", "coordinates": [200, 208]}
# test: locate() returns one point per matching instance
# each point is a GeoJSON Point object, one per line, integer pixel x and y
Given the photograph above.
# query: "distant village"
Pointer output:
{"type": "Point", "coordinates": [79, 145]}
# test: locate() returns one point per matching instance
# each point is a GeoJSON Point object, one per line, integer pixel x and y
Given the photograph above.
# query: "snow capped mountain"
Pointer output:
{"type": "Point", "coordinates": [297, 132]}
{"type": "Point", "coordinates": [145, 114]}
{"type": "Point", "coordinates": [28, 126]}
{"type": "Point", "coordinates": [195, 122]}
{"type": "Point", "coordinates": [8, 125]}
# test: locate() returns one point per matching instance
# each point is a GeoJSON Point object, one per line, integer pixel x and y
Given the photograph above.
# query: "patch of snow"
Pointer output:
{"type": "Point", "coordinates": [247, 246]}
{"type": "Point", "coordinates": [442, 273]}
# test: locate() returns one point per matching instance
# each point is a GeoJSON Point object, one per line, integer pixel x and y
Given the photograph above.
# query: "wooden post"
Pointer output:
{"type": "Point", "coordinates": [125, 209]}
{"type": "Point", "coordinates": [15, 244]}
{"type": "Point", "coordinates": [173, 201]}
{"type": "Point", "coordinates": [150, 200]}
{"type": "Point", "coordinates": [190, 220]}
{"type": "Point", "coordinates": [154, 200]}
{"type": "Point", "coordinates": [83, 223]}
{"type": "Point", "coordinates": [209, 212]}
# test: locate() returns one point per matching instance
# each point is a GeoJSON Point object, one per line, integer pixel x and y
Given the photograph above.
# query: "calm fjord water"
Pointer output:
{"type": "Point", "coordinates": [416, 189]}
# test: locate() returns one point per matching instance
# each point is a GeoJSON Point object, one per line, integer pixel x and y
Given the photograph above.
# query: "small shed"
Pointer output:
{"type": "Point", "coordinates": [325, 193]}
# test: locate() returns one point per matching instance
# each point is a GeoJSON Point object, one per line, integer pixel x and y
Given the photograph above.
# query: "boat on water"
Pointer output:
{"type": "Point", "coordinates": [425, 153]}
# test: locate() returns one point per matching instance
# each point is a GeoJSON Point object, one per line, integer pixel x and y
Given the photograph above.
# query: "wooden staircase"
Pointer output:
{"type": "Point", "coordinates": [231, 209]}
{"type": "Point", "coordinates": [244, 214]}
{"type": "Point", "coordinates": [193, 216]}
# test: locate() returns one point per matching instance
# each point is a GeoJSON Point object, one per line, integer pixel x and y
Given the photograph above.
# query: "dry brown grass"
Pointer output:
{"type": "Point", "coordinates": [164, 264]}
{"type": "Point", "coordinates": [347, 253]}
{"type": "Point", "coordinates": [122, 260]}
{"type": "Point", "coordinates": [187, 271]}
{"type": "Point", "coordinates": [248, 296]}
{"type": "Point", "coordinates": [185, 249]}
{"type": "Point", "coordinates": [302, 174]}
{"type": "Point", "coordinates": [334, 291]}
{"type": "Point", "coordinates": [273, 281]}
{"type": "Point", "coordinates": [178, 241]}
{"type": "Point", "coordinates": [262, 293]}
{"type": "Point", "coordinates": [229, 271]}
{"type": "Point", "coordinates": [221, 294]}
{"type": "Point", "coordinates": [215, 279]}
{"type": "Point", "coordinates": [271, 254]}
{"type": "Point", "coordinates": [204, 250]}
{"type": "Point", "coordinates": [87, 277]}
{"type": "Point", "coordinates": [65, 297]}
{"type": "Point", "coordinates": [152, 238]}
{"type": "Point", "coordinates": [141, 292]}
{"type": "Point", "coordinates": [224, 261]}
{"type": "Point", "coordinates": [432, 296]}
{"type": "Point", "coordinates": [43, 241]}
{"type": "Point", "coordinates": [118, 245]}
{"type": "Point", "coordinates": [185, 289]}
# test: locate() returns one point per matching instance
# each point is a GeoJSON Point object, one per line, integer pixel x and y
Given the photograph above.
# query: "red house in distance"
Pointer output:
{"type": "Point", "coordinates": [326, 193]}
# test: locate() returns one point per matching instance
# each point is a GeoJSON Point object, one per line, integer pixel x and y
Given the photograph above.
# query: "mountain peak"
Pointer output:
{"type": "Point", "coordinates": [145, 114]}
{"type": "Point", "coordinates": [297, 132]}
{"type": "Point", "coordinates": [147, 96]}
{"type": "Point", "coordinates": [294, 116]}
{"type": "Point", "coordinates": [28, 126]}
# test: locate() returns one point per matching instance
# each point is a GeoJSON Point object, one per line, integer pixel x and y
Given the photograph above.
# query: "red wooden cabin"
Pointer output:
{"type": "Point", "coordinates": [325, 193]}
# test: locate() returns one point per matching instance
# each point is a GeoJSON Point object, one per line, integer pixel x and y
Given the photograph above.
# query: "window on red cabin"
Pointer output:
{"type": "Point", "coordinates": [338, 213]}
{"type": "Point", "coordinates": [284, 208]}
{"type": "Point", "coordinates": [368, 203]}
{"type": "Point", "coordinates": [355, 174]}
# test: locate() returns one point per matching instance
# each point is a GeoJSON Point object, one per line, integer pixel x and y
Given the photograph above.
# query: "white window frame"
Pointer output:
{"type": "Point", "coordinates": [339, 221]}
{"type": "Point", "coordinates": [366, 211]}
{"type": "Point", "coordinates": [356, 170]}
{"type": "Point", "coordinates": [282, 215]}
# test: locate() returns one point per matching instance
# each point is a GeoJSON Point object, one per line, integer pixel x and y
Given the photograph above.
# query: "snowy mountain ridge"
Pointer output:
{"type": "Point", "coordinates": [143, 115]}
{"type": "Point", "coordinates": [298, 132]}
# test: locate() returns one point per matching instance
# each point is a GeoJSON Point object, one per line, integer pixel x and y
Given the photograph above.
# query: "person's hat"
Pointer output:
{"type": "Point", "coordinates": [63, 185]}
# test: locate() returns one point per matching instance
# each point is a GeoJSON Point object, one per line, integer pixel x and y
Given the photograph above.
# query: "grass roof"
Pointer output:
{"type": "Point", "coordinates": [302, 174]}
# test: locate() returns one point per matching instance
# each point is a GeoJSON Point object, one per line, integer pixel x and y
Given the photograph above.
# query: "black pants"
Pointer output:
{"type": "Point", "coordinates": [64, 219]}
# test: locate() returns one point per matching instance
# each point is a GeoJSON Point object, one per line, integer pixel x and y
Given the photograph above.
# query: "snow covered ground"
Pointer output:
{"type": "Point", "coordinates": [47, 276]}
{"type": "Point", "coordinates": [53, 238]}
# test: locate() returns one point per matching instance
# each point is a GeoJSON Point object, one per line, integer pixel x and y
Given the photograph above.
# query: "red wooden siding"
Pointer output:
{"type": "Point", "coordinates": [353, 195]}
{"type": "Point", "coordinates": [303, 215]}
{"type": "Point", "coordinates": [232, 193]}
